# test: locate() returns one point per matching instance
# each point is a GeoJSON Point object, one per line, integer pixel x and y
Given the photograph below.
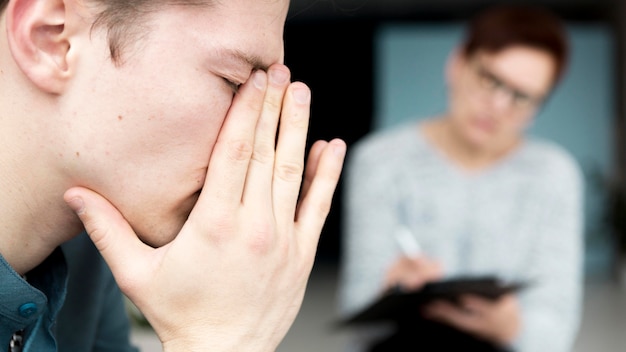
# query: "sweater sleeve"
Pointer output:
{"type": "Point", "coordinates": [551, 306]}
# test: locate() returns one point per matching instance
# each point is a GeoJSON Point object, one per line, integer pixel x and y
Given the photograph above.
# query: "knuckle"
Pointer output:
{"type": "Point", "coordinates": [217, 229]}
{"type": "Point", "coordinates": [298, 120]}
{"type": "Point", "coordinates": [263, 155]}
{"type": "Point", "coordinates": [323, 208]}
{"type": "Point", "coordinates": [318, 208]}
{"type": "Point", "coordinates": [273, 104]}
{"type": "Point", "coordinates": [240, 150]}
{"type": "Point", "coordinates": [254, 104]}
{"type": "Point", "coordinates": [262, 238]}
{"type": "Point", "coordinates": [289, 171]}
{"type": "Point", "coordinates": [221, 230]}
{"type": "Point", "coordinates": [98, 236]}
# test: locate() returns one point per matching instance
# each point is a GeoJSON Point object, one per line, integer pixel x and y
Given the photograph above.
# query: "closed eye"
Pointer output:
{"type": "Point", "coordinates": [233, 85]}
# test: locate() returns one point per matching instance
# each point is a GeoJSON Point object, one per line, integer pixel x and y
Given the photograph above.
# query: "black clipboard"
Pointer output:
{"type": "Point", "coordinates": [398, 305]}
{"type": "Point", "coordinates": [402, 309]}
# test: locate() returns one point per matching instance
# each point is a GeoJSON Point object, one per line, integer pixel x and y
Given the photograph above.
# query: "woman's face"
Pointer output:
{"type": "Point", "coordinates": [493, 96]}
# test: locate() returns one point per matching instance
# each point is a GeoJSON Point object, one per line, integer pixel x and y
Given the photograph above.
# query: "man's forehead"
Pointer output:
{"type": "Point", "coordinates": [259, 39]}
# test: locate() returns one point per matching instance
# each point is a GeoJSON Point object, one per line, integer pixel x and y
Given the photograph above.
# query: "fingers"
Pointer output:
{"type": "Point", "coordinates": [454, 315]}
{"type": "Point", "coordinates": [113, 236]}
{"type": "Point", "coordinates": [259, 179]}
{"type": "Point", "coordinates": [470, 311]}
{"type": "Point", "coordinates": [474, 304]}
{"type": "Point", "coordinates": [413, 273]}
{"type": "Point", "coordinates": [315, 206]}
{"type": "Point", "coordinates": [228, 166]}
{"type": "Point", "coordinates": [251, 165]}
{"type": "Point", "coordinates": [247, 165]}
{"type": "Point", "coordinates": [497, 321]}
{"type": "Point", "coordinates": [290, 150]}
{"type": "Point", "coordinates": [311, 166]}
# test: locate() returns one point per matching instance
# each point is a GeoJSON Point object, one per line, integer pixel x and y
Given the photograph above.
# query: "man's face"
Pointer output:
{"type": "Point", "coordinates": [141, 133]}
{"type": "Point", "coordinates": [495, 95]}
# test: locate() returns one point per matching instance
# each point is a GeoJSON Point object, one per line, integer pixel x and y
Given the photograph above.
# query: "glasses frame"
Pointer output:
{"type": "Point", "coordinates": [492, 83]}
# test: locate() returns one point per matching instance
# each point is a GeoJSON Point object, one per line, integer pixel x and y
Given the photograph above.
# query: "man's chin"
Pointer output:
{"type": "Point", "coordinates": [158, 238]}
{"type": "Point", "coordinates": [162, 226]}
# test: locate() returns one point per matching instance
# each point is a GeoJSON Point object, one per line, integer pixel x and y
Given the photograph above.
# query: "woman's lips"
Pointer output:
{"type": "Point", "coordinates": [484, 124]}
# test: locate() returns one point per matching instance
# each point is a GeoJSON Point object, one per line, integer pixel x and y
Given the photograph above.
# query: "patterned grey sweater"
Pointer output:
{"type": "Point", "coordinates": [521, 219]}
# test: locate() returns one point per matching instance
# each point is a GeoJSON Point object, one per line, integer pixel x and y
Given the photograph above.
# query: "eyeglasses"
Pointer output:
{"type": "Point", "coordinates": [492, 83]}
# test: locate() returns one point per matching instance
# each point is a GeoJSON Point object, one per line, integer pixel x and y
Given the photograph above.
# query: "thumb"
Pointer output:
{"type": "Point", "coordinates": [108, 229]}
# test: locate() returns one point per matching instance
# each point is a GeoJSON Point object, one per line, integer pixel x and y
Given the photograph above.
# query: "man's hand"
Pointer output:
{"type": "Point", "coordinates": [235, 276]}
{"type": "Point", "coordinates": [496, 321]}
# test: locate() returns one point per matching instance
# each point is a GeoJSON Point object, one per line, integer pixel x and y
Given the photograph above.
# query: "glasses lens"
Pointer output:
{"type": "Point", "coordinates": [493, 84]}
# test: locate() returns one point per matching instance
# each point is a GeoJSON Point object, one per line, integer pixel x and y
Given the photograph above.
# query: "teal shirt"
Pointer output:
{"type": "Point", "coordinates": [70, 303]}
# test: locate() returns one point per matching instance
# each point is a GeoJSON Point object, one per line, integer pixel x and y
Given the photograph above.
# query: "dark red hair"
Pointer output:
{"type": "Point", "coordinates": [500, 27]}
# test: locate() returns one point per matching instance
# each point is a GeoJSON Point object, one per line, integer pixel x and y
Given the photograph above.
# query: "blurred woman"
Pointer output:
{"type": "Point", "coordinates": [479, 196]}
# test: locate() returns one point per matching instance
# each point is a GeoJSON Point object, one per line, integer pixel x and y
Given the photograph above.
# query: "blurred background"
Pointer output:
{"type": "Point", "coordinates": [372, 63]}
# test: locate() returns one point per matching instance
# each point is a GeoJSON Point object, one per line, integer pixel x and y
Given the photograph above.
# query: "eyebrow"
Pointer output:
{"type": "Point", "coordinates": [514, 87]}
{"type": "Point", "coordinates": [249, 60]}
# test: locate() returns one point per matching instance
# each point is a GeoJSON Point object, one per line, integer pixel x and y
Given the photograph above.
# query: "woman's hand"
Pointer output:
{"type": "Point", "coordinates": [412, 273]}
{"type": "Point", "coordinates": [496, 321]}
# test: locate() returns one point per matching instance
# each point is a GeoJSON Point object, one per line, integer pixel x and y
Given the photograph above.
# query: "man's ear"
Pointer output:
{"type": "Point", "coordinates": [37, 37]}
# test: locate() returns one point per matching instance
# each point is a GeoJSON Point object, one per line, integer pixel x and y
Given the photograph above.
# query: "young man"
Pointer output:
{"type": "Point", "coordinates": [152, 125]}
{"type": "Point", "coordinates": [479, 196]}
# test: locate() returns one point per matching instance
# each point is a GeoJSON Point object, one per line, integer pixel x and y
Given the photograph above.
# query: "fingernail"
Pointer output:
{"type": "Point", "coordinates": [302, 95]}
{"type": "Point", "coordinates": [278, 76]}
{"type": "Point", "coordinates": [77, 204]}
{"type": "Point", "coordinates": [259, 79]}
{"type": "Point", "coordinates": [339, 149]}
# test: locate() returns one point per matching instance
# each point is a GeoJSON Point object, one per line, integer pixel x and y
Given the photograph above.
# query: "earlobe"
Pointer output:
{"type": "Point", "coordinates": [38, 42]}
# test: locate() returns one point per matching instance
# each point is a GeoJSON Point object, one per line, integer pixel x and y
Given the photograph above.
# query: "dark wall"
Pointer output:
{"type": "Point", "coordinates": [334, 58]}
{"type": "Point", "coordinates": [436, 9]}
{"type": "Point", "coordinates": [331, 49]}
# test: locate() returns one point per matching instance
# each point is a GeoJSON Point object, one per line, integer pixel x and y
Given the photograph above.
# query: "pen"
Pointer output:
{"type": "Point", "coordinates": [407, 242]}
{"type": "Point", "coordinates": [404, 236]}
